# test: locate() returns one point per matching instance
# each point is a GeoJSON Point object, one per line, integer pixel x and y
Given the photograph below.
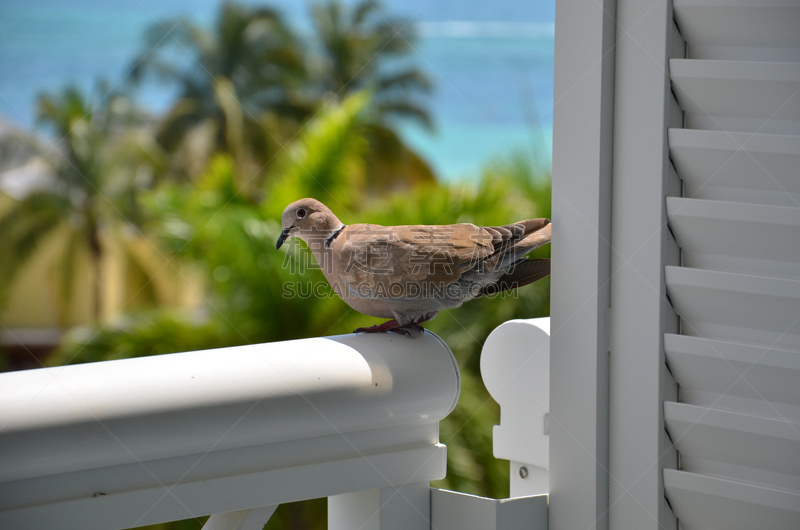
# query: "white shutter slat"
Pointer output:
{"type": "Point", "coordinates": [711, 503]}
{"type": "Point", "coordinates": [736, 307]}
{"type": "Point", "coordinates": [711, 26]}
{"type": "Point", "coordinates": [728, 236]}
{"type": "Point", "coordinates": [749, 96]}
{"type": "Point", "coordinates": [739, 167]}
{"type": "Point", "coordinates": [751, 378]}
{"type": "Point", "coordinates": [733, 445]}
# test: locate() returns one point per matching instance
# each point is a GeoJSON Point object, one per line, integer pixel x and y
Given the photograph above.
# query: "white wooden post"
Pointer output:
{"type": "Point", "coordinates": [583, 110]}
{"type": "Point", "coordinates": [405, 507]}
{"type": "Point", "coordinates": [451, 510]}
{"type": "Point", "coordinates": [515, 366]}
{"type": "Point", "coordinates": [640, 312]}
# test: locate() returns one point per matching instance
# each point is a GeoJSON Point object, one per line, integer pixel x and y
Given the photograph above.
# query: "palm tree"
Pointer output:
{"type": "Point", "coordinates": [94, 171]}
{"type": "Point", "coordinates": [358, 46]}
{"type": "Point", "coordinates": [248, 65]}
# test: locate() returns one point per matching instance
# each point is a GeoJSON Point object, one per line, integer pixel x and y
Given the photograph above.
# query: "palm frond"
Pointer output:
{"type": "Point", "coordinates": [177, 33]}
{"type": "Point", "coordinates": [61, 110]}
{"type": "Point", "coordinates": [23, 228]}
{"type": "Point", "coordinates": [394, 37]}
{"type": "Point", "coordinates": [406, 80]}
{"type": "Point", "coordinates": [233, 117]}
{"type": "Point", "coordinates": [404, 109]}
{"type": "Point", "coordinates": [18, 148]}
{"type": "Point", "coordinates": [391, 164]}
{"type": "Point", "coordinates": [363, 10]}
{"type": "Point", "coordinates": [183, 115]}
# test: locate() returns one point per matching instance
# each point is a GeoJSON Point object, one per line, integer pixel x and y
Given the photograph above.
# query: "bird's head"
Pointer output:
{"type": "Point", "coordinates": [306, 218]}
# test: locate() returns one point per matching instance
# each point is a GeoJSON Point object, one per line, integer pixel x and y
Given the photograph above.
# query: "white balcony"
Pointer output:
{"type": "Point", "coordinates": [237, 431]}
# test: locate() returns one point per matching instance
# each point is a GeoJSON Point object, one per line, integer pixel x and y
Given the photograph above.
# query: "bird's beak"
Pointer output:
{"type": "Point", "coordinates": [283, 237]}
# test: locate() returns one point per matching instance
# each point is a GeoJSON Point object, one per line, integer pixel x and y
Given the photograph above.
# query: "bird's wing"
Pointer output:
{"type": "Point", "coordinates": [371, 257]}
{"type": "Point", "coordinates": [515, 241]}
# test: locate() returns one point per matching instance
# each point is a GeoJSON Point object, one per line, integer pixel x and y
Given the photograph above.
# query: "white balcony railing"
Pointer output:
{"type": "Point", "coordinates": [237, 431]}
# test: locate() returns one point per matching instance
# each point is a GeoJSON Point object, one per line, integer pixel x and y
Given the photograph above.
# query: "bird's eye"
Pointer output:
{"type": "Point", "coordinates": [301, 212]}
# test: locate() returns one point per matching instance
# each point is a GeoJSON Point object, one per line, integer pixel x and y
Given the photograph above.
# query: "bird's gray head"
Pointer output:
{"type": "Point", "coordinates": [305, 218]}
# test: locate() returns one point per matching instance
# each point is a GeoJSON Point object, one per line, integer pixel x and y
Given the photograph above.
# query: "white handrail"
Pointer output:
{"type": "Point", "coordinates": [138, 441]}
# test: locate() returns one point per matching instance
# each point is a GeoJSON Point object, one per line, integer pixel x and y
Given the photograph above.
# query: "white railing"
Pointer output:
{"type": "Point", "coordinates": [236, 431]}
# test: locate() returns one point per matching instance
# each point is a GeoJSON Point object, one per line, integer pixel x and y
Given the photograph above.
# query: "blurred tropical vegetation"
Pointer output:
{"type": "Point", "coordinates": [263, 118]}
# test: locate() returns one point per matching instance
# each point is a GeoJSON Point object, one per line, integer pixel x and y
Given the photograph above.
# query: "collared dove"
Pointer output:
{"type": "Point", "coordinates": [410, 273]}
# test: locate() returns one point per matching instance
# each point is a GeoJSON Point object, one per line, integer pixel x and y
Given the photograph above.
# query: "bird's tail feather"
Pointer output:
{"type": "Point", "coordinates": [523, 273]}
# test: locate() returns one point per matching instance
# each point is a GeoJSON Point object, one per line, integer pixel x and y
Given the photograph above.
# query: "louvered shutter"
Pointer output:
{"type": "Point", "coordinates": [736, 423]}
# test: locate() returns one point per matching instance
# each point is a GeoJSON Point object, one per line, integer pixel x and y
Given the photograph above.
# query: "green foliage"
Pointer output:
{"type": "Point", "coordinates": [327, 160]}
{"type": "Point", "coordinates": [467, 433]}
{"type": "Point", "coordinates": [149, 333]}
{"type": "Point", "coordinates": [187, 524]}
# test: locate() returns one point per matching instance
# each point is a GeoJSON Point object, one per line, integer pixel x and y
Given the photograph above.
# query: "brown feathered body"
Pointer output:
{"type": "Point", "coordinates": [412, 272]}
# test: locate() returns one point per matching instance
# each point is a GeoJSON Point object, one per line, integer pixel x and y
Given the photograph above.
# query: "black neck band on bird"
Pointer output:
{"type": "Point", "coordinates": [330, 238]}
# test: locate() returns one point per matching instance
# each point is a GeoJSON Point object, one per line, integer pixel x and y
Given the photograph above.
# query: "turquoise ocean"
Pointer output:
{"type": "Point", "coordinates": [491, 62]}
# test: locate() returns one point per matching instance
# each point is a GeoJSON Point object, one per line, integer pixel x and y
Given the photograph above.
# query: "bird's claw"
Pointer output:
{"type": "Point", "coordinates": [392, 327]}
